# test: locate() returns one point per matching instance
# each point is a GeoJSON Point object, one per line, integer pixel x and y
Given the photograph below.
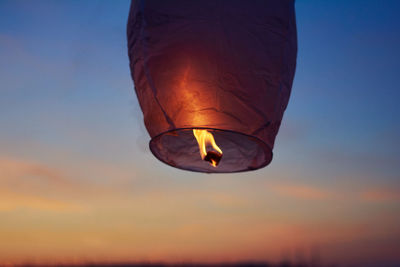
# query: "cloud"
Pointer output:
{"type": "Point", "coordinates": [40, 186]}
{"type": "Point", "coordinates": [28, 176]}
{"type": "Point", "coordinates": [14, 169]}
{"type": "Point", "coordinates": [25, 184]}
{"type": "Point", "coordinates": [380, 195]}
{"type": "Point", "coordinates": [304, 192]}
{"type": "Point", "coordinates": [12, 201]}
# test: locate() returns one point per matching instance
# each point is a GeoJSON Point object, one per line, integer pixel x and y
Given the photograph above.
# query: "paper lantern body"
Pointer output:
{"type": "Point", "coordinates": [225, 66]}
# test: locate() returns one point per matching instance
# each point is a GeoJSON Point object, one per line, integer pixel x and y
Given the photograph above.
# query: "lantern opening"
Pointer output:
{"type": "Point", "coordinates": [241, 152]}
{"type": "Point", "coordinates": [209, 150]}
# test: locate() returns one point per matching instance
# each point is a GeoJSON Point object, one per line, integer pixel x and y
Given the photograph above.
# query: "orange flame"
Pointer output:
{"type": "Point", "coordinates": [205, 138]}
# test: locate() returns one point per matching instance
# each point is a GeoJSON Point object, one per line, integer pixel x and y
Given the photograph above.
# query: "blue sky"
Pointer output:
{"type": "Point", "coordinates": [69, 116]}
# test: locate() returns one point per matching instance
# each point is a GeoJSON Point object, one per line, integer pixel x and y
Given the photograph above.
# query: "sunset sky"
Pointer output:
{"type": "Point", "coordinates": [78, 182]}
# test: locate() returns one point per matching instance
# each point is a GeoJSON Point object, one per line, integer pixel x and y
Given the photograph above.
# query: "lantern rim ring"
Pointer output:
{"type": "Point", "coordinates": [265, 146]}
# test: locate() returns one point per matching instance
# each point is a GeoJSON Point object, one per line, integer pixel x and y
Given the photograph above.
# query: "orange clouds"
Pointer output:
{"type": "Point", "coordinates": [103, 212]}
{"type": "Point", "coordinates": [11, 201]}
{"type": "Point", "coordinates": [340, 192]}
{"type": "Point", "coordinates": [301, 192]}
{"type": "Point", "coordinates": [381, 195]}
{"type": "Point", "coordinates": [30, 185]}
{"type": "Point", "coordinates": [11, 169]}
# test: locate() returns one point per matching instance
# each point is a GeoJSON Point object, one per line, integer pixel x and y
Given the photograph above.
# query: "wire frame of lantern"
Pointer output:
{"type": "Point", "coordinates": [213, 79]}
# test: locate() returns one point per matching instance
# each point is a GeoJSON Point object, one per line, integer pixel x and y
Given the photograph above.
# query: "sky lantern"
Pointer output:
{"type": "Point", "coordinates": [213, 78]}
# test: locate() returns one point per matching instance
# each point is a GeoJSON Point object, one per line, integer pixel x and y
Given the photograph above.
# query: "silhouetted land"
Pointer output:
{"type": "Point", "coordinates": [241, 264]}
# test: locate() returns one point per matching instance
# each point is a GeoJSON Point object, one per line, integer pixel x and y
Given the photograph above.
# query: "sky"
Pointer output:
{"type": "Point", "coordinates": [78, 182]}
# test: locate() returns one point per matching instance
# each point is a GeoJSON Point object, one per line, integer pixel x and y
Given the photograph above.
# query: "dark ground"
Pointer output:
{"type": "Point", "coordinates": [242, 264]}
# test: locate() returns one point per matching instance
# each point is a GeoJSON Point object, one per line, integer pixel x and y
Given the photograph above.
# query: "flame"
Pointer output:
{"type": "Point", "coordinates": [205, 138]}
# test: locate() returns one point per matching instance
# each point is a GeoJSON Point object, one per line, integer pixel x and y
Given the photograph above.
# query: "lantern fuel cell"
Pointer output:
{"type": "Point", "coordinates": [204, 138]}
{"type": "Point", "coordinates": [213, 78]}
